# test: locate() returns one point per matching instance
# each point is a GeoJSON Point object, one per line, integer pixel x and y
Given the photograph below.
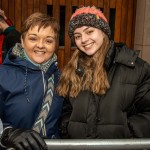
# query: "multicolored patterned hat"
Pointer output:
{"type": "Point", "coordinates": [89, 16]}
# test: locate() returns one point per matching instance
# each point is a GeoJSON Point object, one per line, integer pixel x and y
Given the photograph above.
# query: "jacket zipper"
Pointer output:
{"type": "Point", "coordinates": [44, 84]}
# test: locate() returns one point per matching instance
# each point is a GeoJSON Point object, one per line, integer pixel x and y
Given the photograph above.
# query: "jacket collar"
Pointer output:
{"type": "Point", "coordinates": [120, 53]}
{"type": "Point", "coordinates": [14, 60]}
{"type": "Point", "coordinates": [8, 30]}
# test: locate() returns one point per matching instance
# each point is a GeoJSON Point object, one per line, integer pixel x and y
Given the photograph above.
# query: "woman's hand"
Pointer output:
{"type": "Point", "coordinates": [22, 139]}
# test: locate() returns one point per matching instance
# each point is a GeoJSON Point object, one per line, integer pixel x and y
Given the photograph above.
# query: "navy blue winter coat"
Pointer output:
{"type": "Point", "coordinates": [22, 94]}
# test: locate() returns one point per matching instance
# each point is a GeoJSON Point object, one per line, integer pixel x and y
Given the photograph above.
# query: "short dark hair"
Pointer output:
{"type": "Point", "coordinates": [42, 20]}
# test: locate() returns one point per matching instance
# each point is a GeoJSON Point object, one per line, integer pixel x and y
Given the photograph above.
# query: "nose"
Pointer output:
{"type": "Point", "coordinates": [84, 38]}
{"type": "Point", "coordinates": [40, 44]}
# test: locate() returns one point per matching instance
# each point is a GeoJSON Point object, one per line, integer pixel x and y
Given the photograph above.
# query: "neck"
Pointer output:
{"type": "Point", "coordinates": [4, 27]}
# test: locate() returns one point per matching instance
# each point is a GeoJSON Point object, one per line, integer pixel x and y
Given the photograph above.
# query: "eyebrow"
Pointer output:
{"type": "Point", "coordinates": [83, 30]}
{"type": "Point", "coordinates": [47, 36]}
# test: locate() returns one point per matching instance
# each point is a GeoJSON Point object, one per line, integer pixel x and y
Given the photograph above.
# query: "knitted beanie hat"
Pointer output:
{"type": "Point", "coordinates": [89, 16]}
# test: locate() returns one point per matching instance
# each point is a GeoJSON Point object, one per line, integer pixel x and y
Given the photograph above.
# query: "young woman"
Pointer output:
{"type": "Point", "coordinates": [106, 85]}
{"type": "Point", "coordinates": [29, 105]}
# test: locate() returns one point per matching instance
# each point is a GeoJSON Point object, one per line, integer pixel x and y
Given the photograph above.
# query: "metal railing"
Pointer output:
{"type": "Point", "coordinates": [98, 144]}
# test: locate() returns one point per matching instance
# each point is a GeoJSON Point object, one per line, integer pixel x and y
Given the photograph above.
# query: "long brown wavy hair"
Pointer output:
{"type": "Point", "coordinates": [94, 77]}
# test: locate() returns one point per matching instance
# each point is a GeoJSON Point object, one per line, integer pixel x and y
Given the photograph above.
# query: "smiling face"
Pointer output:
{"type": "Point", "coordinates": [88, 39]}
{"type": "Point", "coordinates": [40, 44]}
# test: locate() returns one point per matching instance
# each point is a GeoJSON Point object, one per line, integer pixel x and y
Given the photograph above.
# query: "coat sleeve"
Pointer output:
{"type": "Point", "coordinates": [2, 124]}
{"type": "Point", "coordinates": [139, 120]}
{"type": "Point", "coordinates": [12, 38]}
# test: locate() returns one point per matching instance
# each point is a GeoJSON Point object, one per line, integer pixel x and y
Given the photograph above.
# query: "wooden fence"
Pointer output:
{"type": "Point", "coordinates": [120, 14]}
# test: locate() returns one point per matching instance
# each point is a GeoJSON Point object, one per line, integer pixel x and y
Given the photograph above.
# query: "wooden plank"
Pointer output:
{"type": "Point", "coordinates": [74, 2]}
{"type": "Point", "coordinates": [67, 39]}
{"type": "Point", "coordinates": [94, 3]}
{"type": "Point", "coordinates": [100, 3]}
{"type": "Point", "coordinates": [49, 2]}
{"type": "Point", "coordinates": [0, 3]}
{"type": "Point", "coordinates": [106, 10]}
{"type": "Point", "coordinates": [133, 24]}
{"type": "Point", "coordinates": [36, 4]}
{"type": "Point", "coordinates": [124, 21]}
{"type": "Point", "coordinates": [24, 8]}
{"type": "Point", "coordinates": [87, 3]}
{"type": "Point", "coordinates": [30, 7]}
{"type": "Point", "coordinates": [62, 2]}
{"type": "Point", "coordinates": [81, 3]}
{"type": "Point", "coordinates": [112, 3]}
{"type": "Point", "coordinates": [11, 8]}
{"type": "Point", "coordinates": [118, 20]}
{"type": "Point", "coordinates": [17, 15]}
{"type": "Point", "coordinates": [43, 6]}
{"type": "Point", "coordinates": [56, 13]}
{"type": "Point", "coordinates": [61, 58]}
{"type": "Point", "coordinates": [56, 10]}
{"type": "Point", "coordinates": [5, 7]}
{"type": "Point", "coordinates": [129, 23]}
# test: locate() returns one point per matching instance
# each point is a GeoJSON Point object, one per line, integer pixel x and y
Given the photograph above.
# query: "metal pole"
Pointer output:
{"type": "Point", "coordinates": [98, 144]}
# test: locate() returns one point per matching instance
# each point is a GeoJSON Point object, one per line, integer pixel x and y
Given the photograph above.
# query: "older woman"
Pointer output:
{"type": "Point", "coordinates": [29, 105]}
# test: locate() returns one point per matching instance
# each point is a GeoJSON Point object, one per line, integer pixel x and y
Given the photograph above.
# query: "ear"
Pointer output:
{"type": "Point", "coordinates": [103, 33]}
{"type": "Point", "coordinates": [22, 42]}
{"type": "Point", "coordinates": [0, 25]}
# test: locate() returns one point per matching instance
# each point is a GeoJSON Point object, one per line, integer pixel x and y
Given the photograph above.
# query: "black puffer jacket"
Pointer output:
{"type": "Point", "coordinates": [124, 111]}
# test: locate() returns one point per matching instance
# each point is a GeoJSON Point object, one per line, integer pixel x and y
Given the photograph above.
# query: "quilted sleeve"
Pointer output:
{"type": "Point", "coordinates": [139, 121]}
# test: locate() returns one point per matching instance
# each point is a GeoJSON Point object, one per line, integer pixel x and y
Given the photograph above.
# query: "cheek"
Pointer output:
{"type": "Point", "coordinates": [50, 49]}
{"type": "Point", "coordinates": [25, 44]}
{"type": "Point", "coordinates": [100, 39]}
{"type": "Point", "coordinates": [28, 47]}
{"type": "Point", "coordinates": [77, 43]}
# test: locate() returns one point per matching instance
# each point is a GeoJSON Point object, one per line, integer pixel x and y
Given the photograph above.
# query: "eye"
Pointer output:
{"type": "Point", "coordinates": [77, 37]}
{"type": "Point", "coordinates": [49, 41]}
{"type": "Point", "coordinates": [89, 32]}
{"type": "Point", "coordinates": [33, 39]}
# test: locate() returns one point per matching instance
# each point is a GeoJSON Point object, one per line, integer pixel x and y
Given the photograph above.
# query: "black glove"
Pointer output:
{"type": "Point", "coordinates": [22, 139]}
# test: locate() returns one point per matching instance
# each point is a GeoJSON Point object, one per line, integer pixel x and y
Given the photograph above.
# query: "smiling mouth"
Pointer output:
{"type": "Point", "coordinates": [88, 45]}
{"type": "Point", "coordinates": [39, 52]}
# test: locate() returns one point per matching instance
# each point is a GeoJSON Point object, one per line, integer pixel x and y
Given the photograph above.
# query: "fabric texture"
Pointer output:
{"type": "Point", "coordinates": [39, 124]}
{"type": "Point", "coordinates": [2, 36]}
{"type": "Point", "coordinates": [12, 36]}
{"type": "Point", "coordinates": [88, 16]}
{"type": "Point", "coordinates": [1, 47]}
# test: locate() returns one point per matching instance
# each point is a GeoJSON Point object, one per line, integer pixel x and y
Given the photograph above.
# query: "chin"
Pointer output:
{"type": "Point", "coordinates": [90, 54]}
{"type": "Point", "coordinates": [39, 62]}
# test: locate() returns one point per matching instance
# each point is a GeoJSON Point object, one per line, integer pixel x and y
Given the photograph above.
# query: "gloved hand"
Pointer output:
{"type": "Point", "coordinates": [22, 139]}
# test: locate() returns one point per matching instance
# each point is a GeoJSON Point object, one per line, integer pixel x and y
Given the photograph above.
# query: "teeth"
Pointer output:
{"type": "Point", "coordinates": [39, 52]}
{"type": "Point", "coordinates": [87, 46]}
